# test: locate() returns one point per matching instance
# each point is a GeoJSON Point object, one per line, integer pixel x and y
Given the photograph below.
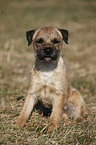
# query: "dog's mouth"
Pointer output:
{"type": "Point", "coordinates": [48, 54]}
{"type": "Point", "coordinates": [47, 58]}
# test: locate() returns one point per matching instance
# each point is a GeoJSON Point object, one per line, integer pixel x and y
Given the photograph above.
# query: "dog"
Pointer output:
{"type": "Point", "coordinates": [48, 81]}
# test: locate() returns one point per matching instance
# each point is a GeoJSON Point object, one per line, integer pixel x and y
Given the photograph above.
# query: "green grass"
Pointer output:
{"type": "Point", "coordinates": [16, 60]}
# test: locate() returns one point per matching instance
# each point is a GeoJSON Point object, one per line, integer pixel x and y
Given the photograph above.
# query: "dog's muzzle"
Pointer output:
{"type": "Point", "coordinates": [47, 53]}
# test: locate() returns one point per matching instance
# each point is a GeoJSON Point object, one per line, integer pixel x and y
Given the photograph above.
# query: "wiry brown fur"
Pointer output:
{"type": "Point", "coordinates": [49, 84]}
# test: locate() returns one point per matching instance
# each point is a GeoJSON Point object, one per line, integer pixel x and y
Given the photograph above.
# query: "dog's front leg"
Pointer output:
{"type": "Point", "coordinates": [30, 101]}
{"type": "Point", "coordinates": [56, 112]}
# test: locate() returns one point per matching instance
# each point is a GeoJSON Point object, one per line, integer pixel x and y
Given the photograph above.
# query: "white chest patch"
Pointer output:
{"type": "Point", "coordinates": [46, 94]}
{"type": "Point", "coordinates": [46, 77]}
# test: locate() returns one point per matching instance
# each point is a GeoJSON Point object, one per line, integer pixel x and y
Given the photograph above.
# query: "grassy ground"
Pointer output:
{"type": "Point", "coordinates": [16, 59]}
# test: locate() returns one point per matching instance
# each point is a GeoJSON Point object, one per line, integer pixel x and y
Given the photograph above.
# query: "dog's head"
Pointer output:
{"type": "Point", "coordinates": [47, 42]}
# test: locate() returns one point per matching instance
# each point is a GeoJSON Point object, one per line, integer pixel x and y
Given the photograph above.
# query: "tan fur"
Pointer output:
{"type": "Point", "coordinates": [51, 86]}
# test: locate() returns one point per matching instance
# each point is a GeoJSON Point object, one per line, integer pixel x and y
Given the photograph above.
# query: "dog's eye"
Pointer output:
{"type": "Point", "coordinates": [40, 41]}
{"type": "Point", "coordinates": [55, 41]}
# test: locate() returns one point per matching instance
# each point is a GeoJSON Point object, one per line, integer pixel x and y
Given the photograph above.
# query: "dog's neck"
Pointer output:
{"type": "Point", "coordinates": [45, 66]}
{"type": "Point", "coordinates": [48, 66]}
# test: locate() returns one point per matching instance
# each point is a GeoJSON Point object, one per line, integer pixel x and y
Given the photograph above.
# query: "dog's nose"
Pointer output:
{"type": "Point", "coordinates": [48, 50]}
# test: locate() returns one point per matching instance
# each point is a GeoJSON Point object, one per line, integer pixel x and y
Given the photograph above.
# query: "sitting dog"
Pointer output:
{"type": "Point", "coordinates": [48, 82]}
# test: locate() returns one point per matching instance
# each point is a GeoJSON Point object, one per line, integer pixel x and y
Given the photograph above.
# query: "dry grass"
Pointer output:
{"type": "Point", "coordinates": [16, 60]}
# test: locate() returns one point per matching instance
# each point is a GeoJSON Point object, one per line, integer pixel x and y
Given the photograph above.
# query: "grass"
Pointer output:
{"type": "Point", "coordinates": [16, 60]}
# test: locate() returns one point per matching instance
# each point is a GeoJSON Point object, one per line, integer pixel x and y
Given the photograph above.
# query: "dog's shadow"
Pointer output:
{"type": "Point", "coordinates": [42, 110]}
{"type": "Point", "coordinates": [38, 107]}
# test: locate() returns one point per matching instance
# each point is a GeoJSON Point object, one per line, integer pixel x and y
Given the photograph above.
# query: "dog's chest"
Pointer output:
{"type": "Point", "coordinates": [48, 89]}
{"type": "Point", "coordinates": [46, 78]}
{"type": "Point", "coordinates": [47, 85]}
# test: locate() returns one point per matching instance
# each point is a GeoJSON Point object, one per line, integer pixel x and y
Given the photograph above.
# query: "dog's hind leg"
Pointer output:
{"type": "Point", "coordinates": [75, 107]}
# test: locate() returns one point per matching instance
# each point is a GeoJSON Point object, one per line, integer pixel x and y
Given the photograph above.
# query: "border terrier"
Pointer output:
{"type": "Point", "coordinates": [48, 81]}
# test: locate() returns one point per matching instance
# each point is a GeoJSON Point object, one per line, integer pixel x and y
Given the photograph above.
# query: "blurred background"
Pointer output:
{"type": "Point", "coordinates": [16, 58]}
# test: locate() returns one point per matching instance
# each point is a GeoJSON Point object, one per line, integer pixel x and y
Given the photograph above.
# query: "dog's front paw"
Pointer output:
{"type": "Point", "coordinates": [51, 128]}
{"type": "Point", "coordinates": [20, 123]}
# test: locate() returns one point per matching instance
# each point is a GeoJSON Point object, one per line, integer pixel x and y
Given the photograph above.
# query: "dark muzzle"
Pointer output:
{"type": "Point", "coordinates": [48, 53]}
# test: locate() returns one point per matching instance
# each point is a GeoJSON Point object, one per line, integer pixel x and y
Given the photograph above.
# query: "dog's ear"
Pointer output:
{"type": "Point", "coordinates": [64, 34]}
{"type": "Point", "coordinates": [29, 36]}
